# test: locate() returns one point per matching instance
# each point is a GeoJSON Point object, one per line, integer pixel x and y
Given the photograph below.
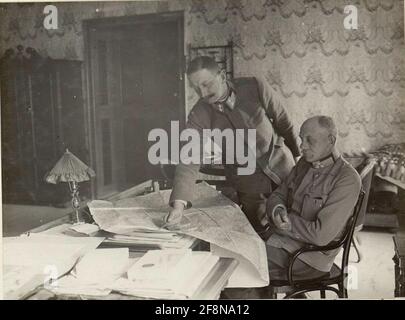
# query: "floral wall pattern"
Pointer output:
{"type": "Point", "coordinates": [299, 46]}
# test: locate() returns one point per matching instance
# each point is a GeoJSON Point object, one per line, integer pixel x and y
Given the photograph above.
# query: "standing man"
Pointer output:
{"type": "Point", "coordinates": [246, 103]}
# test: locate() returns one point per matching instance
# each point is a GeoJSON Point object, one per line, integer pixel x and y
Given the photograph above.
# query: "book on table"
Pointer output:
{"type": "Point", "coordinates": [167, 274]}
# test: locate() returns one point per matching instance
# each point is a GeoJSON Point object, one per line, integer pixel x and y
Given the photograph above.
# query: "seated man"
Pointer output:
{"type": "Point", "coordinates": [313, 205]}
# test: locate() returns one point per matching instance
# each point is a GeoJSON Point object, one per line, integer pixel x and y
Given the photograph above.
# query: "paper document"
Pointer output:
{"type": "Point", "coordinates": [19, 281]}
{"type": "Point", "coordinates": [119, 219]}
{"type": "Point", "coordinates": [85, 228]}
{"type": "Point", "coordinates": [245, 275]}
{"type": "Point", "coordinates": [167, 274]}
{"type": "Point", "coordinates": [214, 219]}
{"type": "Point", "coordinates": [159, 266]}
{"type": "Point", "coordinates": [48, 256]}
{"type": "Point", "coordinates": [95, 273]}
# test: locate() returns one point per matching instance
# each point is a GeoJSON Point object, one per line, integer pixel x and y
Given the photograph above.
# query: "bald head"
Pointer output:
{"type": "Point", "coordinates": [324, 122]}
{"type": "Point", "coordinates": [318, 135]}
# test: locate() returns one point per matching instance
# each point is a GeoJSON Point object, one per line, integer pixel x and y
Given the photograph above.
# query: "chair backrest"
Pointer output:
{"type": "Point", "coordinates": [366, 172]}
{"type": "Point", "coordinates": [350, 226]}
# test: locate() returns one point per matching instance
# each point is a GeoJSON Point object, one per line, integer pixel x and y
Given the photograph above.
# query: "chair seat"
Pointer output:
{"type": "Point", "coordinates": [332, 277]}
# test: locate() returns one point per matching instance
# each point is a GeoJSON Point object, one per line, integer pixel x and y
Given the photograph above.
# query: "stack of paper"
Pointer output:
{"type": "Point", "coordinates": [35, 260]}
{"type": "Point", "coordinates": [19, 281]}
{"type": "Point", "coordinates": [73, 230]}
{"type": "Point", "coordinates": [151, 240]}
{"type": "Point", "coordinates": [85, 228]}
{"type": "Point", "coordinates": [95, 273]}
{"type": "Point", "coordinates": [167, 274]}
{"type": "Point", "coordinates": [133, 224]}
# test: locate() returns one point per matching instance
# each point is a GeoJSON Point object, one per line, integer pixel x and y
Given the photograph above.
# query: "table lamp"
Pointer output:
{"type": "Point", "coordinates": [72, 170]}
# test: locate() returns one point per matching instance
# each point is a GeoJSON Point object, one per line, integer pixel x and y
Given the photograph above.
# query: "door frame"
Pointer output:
{"type": "Point", "coordinates": [90, 105]}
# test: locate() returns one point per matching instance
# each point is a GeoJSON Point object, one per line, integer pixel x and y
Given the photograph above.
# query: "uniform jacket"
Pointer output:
{"type": "Point", "coordinates": [255, 107]}
{"type": "Point", "coordinates": [319, 203]}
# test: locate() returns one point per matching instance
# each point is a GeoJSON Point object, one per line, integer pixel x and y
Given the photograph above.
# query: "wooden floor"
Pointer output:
{"type": "Point", "coordinates": [373, 277]}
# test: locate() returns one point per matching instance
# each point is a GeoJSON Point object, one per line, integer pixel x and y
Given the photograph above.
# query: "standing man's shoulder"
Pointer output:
{"type": "Point", "coordinates": [252, 81]}
{"type": "Point", "coordinates": [243, 80]}
{"type": "Point", "coordinates": [255, 85]}
{"type": "Point", "coordinates": [200, 114]}
{"type": "Point", "coordinates": [200, 106]}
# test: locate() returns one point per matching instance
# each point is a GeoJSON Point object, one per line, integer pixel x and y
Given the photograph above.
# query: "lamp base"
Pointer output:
{"type": "Point", "coordinates": [74, 189]}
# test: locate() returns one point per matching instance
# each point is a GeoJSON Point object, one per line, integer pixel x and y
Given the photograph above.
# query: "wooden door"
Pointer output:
{"type": "Point", "coordinates": [137, 72]}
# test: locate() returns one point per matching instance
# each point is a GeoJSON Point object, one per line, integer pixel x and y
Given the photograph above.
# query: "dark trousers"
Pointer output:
{"type": "Point", "coordinates": [253, 192]}
{"type": "Point", "coordinates": [254, 207]}
{"type": "Point", "coordinates": [278, 261]}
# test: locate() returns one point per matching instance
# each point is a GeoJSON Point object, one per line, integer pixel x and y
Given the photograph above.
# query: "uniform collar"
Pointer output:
{"type": "Point", "coordinates": [327, 161]}
{"type": "Point", "coordinates": [229, 101]}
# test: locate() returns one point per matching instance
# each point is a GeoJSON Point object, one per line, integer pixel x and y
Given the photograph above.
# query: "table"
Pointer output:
{"type": "Point", "coordinates": [399, 260]}
{"type": "Point", "coordinates": [210, 288]}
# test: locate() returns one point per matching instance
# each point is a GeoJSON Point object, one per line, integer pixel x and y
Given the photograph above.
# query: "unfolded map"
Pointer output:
{"type": "Point", "coordinates": [212, 218]}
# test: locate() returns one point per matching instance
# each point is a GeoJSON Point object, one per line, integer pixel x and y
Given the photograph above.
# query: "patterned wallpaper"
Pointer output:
{"type": "Point", "coordinates": [299, 46]}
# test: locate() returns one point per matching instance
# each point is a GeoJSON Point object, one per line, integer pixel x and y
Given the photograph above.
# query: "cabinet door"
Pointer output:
{"type": "Point", "coordinates": [18, 136]}
{"type": "Point", "coordinates": [10, 148]}
{"type": "Point", "coordinates": [42, 115]}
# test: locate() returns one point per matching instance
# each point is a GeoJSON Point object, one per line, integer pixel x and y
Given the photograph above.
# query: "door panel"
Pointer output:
{"type": "Point", "coordinates": [137, 86]}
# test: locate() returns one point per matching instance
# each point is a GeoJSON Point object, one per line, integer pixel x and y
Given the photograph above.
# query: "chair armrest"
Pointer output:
{"type": "Point", "coordinates": [309, 248]}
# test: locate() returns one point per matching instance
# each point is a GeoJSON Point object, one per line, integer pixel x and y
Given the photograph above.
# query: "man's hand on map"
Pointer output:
{"type": "Point", "coordinates": [175, 214]}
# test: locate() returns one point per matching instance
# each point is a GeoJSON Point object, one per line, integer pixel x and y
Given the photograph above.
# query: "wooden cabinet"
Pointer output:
{"type": "Point", "coordinates": [42, 114]}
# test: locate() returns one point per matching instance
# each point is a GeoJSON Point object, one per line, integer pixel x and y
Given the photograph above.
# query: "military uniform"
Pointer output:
{"type": "Point", "coordinates": [251, 104]}
{"type": "Point", "coordinates": [319, 199]}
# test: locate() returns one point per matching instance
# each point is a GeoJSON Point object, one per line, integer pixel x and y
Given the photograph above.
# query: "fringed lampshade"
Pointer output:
{"type": "Point", "coordinates": [72, 170]}
{"type": "Point", "coordinates": [69, 168]}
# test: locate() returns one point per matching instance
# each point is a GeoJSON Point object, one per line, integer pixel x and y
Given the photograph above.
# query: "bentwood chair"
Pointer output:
{"type": "Point", "coordinates": [338, 274]}
{"type": "Point", "coordinates": [366, 172]}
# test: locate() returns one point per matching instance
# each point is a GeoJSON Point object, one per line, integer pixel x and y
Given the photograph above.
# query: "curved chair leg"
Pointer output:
{"type": "Point", "coordinates": [356, 247]}
{"type": "Point", "coordinates": [345, 296]}
{"type": "Point", "coordinates": [342, 291]}
{"type": "Point", "coordinates": [323, 295]}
